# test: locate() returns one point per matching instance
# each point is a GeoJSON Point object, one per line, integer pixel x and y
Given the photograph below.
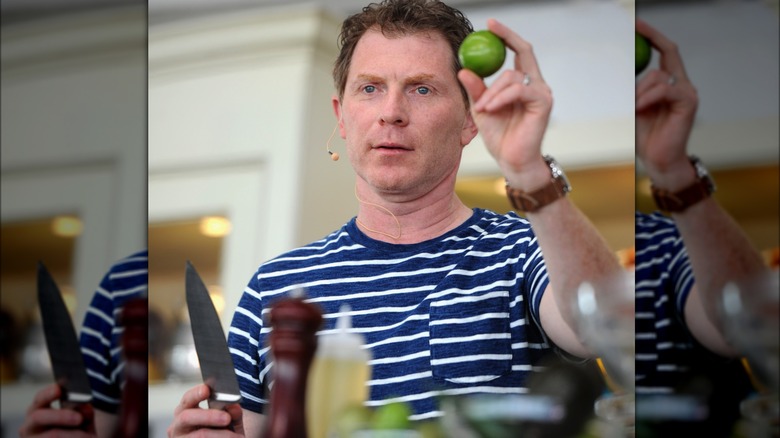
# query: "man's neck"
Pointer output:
{"type": "Point", "coordinates": [404, 221]}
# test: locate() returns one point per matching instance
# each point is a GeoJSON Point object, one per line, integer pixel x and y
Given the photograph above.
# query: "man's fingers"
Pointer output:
{"type": "Point", "coordinates": [656, 88]}
{"type": "Point", "coordinates": [472, 83]}
{"type": "Point", "coordinates": [653, 89]}
{"type": "Point", "coordinates": [237, 417]}
{"type": "Point", "coordinates": [525, 60]}
{"type": "Point", "coordinates": [39, 421]}
{"type": "Point", "coordinates": [192, 398]}
{"type": "Point", "coordinates": [190, 418]}
{"type": "Point", "coordinates": [653, 96]}
{"type": "Point", "coordinates": [671, 61]}
{"type": "Point", "coordinates": [235, 411]}
{"type": "Point", "coordinates": [509, 89]}
{"type": "Point", "coordinates": [45, 397]}
{"type": "Point", "coordinates": [651, 79]}
{"type": "Point", "coordinates": [201, 420]}
{"type": "Point", "coordinates": [524, 83]}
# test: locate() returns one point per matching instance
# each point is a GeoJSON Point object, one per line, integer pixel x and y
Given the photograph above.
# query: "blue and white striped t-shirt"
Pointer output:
{"type": "Point", "coordinates": [458, 314]}
{"type": "Point", "coordinates": [663, 281]}
{"type": "Point", "coordinates": [101, 333]}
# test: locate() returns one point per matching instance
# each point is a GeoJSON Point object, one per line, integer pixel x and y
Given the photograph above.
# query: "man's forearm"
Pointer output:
{"type": "Point", "coordinates": [574, 252]}
{"type": "Point", "coordinates": [719, 252]}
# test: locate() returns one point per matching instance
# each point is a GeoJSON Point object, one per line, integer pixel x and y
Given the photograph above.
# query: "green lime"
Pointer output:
{"type": "Point", "coordinates": [393, 416]}
{"type": "Point", "coordinates": [482, 52]}
{"type": "Point", "coordinates": [643, 53]}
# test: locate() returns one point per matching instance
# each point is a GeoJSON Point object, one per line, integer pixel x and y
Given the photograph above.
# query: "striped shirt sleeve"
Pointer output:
{"type": "Point", "coordinates": [101, 332]}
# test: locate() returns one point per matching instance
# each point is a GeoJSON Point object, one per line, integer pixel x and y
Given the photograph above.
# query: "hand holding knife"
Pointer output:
{"type": "Point", "coordinates": [64, 349]}
{"type": "Point", "coordinates": [216, 364]}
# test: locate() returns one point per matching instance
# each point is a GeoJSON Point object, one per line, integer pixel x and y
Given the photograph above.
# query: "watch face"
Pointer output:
{"type": "Point", "coordinates": [557, 172]}
{"type": "Point", "coordinates": [702, 173]}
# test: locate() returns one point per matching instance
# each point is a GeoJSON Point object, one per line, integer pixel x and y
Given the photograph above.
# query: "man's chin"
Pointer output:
{"type": "Point", "coordinates": [390, 181]}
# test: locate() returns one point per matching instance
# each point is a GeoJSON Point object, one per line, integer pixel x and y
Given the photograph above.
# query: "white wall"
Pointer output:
{"type": "Point", "coordinates": [243, 101]}
{"type": "Point", "coordinates": [73, 136]}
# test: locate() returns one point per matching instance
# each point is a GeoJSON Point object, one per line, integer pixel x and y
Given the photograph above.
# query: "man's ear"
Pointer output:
{"type": "Point", "coordinates": [337, 110]}
{"type": "Point", "coordinates": [469, 130]}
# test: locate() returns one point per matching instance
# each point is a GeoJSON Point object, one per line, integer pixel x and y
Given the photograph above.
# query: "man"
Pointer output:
{"type": "Point", "coordinates": [100, 339]}
{"type": "Point", "coordinates": [450, 300]}
{"type": "Point", "coordinates": [681, 343]}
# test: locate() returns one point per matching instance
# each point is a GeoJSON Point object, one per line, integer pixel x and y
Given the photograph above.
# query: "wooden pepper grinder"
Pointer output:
{"type": "Point", "coordinates": [135, 397]}
{"type": "Point", "coordinates": [293, 343]}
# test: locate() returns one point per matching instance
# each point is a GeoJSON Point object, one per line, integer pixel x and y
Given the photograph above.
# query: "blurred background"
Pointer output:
{"type": "Point", "coordinates": [233, 98]}
{"type": "Point", "coordinates": [73, 167]}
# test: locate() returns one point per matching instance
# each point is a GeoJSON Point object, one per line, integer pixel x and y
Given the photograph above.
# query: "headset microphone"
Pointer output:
{"type": "Point", "coordinates": [333, 155]}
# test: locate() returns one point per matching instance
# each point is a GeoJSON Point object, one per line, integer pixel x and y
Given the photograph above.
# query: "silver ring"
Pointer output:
{"type": "Point", "coordinates": [526, 79]}
{"type": "Point", "coordinates": [672, 80]}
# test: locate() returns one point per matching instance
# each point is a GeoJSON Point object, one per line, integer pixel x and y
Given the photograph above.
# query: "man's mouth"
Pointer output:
{"type": "Point", "coordinates": [391, 146]}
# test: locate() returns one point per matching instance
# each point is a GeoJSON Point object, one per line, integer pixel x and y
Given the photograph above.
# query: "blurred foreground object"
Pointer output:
{"type": "Point", "coordinates": [293, 343]}
{"type": "Point", "coordinates": [606, 323]}
{"type": "Point", "coordinates": [134, 411]}
{"type": "Point", "coordinates": [752, 314]}
{"type": "Point", "coordinates": [338, 377]}
{"type": "Point", "coordinates": [559, 403]}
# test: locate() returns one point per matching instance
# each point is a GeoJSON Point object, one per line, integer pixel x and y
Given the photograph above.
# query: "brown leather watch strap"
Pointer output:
{"type": "Point", "coordinates": [532, 201]}
{"type": "Point", "coordinates": [675, 202]}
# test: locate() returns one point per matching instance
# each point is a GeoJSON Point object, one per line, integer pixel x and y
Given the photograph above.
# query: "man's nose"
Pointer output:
{"type": "Point", "coordinates": [394, 109]}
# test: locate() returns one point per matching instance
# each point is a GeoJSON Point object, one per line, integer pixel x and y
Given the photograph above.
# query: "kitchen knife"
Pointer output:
{"type": "Point", "coordinates": [62, 343]}
{"type": "Point", "coordinates": [216, 364]}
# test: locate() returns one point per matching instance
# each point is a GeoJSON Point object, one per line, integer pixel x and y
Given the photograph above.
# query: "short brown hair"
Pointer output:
{"type": "Point", "coordinates": [397, 18]}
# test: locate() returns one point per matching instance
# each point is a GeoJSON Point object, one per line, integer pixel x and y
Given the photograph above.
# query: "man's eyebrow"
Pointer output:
{"type": "Point", "coordinates": [422, 77]}
{"type": "Point", "coordinates": [364, 77]}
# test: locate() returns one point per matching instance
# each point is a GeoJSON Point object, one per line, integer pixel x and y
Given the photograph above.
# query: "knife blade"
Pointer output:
{"type": "Point", "coordinates": [216, 364]}
{"type": "Point", "coordinates": [62, 343]}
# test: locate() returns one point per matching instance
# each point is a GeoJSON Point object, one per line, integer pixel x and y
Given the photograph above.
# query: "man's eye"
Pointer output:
{"type": "Point", "coordinates": [423, 90]}
{"type": "Point", "coordinates": [369, 89]}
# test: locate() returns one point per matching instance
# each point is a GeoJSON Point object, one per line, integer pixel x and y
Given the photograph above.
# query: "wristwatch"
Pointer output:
{"type": "Point", "coordinates": [556, 188]}
{"type": "Point", "coordinates": [676, 202]}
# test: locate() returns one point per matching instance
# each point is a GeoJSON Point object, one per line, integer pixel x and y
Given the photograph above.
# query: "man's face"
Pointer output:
{"type": "Point", "coordinates": [402, 114]}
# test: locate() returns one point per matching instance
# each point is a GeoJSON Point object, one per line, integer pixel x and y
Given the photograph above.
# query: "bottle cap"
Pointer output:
{"type": "Point", "coordinates": [342, 344]}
